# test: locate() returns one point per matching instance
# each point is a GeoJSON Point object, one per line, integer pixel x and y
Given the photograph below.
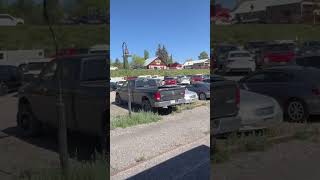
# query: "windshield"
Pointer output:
{"type": "Point", "coordinates": [236, 55]}
{"type": "Point", "coordinates": [36, 66]}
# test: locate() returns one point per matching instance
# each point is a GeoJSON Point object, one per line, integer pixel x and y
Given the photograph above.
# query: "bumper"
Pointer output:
{"type": "Point", "coordinates": [165, 104]}
{"type": "Point", "coordinates": [225, 125]}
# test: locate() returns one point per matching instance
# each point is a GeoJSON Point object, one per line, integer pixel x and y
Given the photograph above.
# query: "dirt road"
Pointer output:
{"type": "Point", "coordinates": [136, 144]}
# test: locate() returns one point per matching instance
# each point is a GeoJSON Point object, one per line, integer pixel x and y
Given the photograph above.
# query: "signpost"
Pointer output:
{"type": "Point", "coordinates": [125, 60]}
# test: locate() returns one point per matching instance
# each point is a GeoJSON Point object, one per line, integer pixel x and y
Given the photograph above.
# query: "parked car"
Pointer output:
{"type": "Point", "coordinates": [296, 88]}
{"type": "Point", "coordinates": [190, 96]}
{"type": "Point", "coordinates": [8, 20]}
{"type": "Point", "coordinates": [113, 86]}
{"type": "Point", "coordinates": [259, 111]}
{"type": "Point", "coordinates": [150, 94]}
{"type": "Point", "coordinates": [31, 70]}
{"type": "Point", "coordinates": [308, 61]}
{"type": "Point", "coordinates": [170, 81]}
{"type": "Point", "coordinates": [239, 61]}
{"type": "Point", "coordinates": [10, 79]}
{"type": "Point", "coordinates": [183, 80]}
{"type": "Point", "coordinates": [196, 78]}
{"type": "Point", "coordinates": [275, 54]}
{"type": "Point", "coordinates": [201, 88]}
{"type": "Point", "coordinates": [220, 52]}
{"type": "Point", "coordinates": [225, 102]}
{"type": "Point", "coordinates": [84, 96]}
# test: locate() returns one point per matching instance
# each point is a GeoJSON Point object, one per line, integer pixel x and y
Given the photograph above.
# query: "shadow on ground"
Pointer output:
{"type": "Point", "coordinates": [80, 146]}
{"type": "Point", "coordinates": [193, 164]}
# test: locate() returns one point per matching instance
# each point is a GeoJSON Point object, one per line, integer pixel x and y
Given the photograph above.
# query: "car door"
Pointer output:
{"type": "Point", "coordinates": [45, 94]}
{"type": "Point", "coordinates": [257, 82]}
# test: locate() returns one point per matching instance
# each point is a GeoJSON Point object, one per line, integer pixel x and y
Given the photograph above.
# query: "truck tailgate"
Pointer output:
{"type": "Point", "coordinates": [171, 93]}
{"type": "Point", "coordinates": [224, 99]}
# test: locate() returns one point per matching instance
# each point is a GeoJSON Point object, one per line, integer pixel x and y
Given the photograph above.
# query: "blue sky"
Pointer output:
{"type": "Point", "coordinates": [183, 26]}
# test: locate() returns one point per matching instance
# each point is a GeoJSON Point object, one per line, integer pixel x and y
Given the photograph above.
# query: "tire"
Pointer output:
{"type": "Point", "coordinates": [118, 100]}
{"type": "Point", "coordinates": [27, 122]}
{"type": "Point", "coordinates": [4, 89]}
{"type": "Point", "coordinates": [146, 106]}
{"type": "Point", "coordinates": [202, 96]}
{"type": "Point", "coordinates": [296, 111]}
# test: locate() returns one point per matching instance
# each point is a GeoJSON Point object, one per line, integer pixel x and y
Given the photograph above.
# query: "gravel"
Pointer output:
{"type": "Point", "coordinates": [132, 145]}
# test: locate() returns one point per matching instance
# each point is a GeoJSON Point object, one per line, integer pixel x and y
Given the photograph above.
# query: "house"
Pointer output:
{"type": "Point", "coordinates": [197, 64]}
{"type": "Point", "coordinates": [175, 66]}
{"type": "Point", "coordinates": [155, 63]}
{"type": "Point", "coordinates": [220, 14]}
{"type": "Point", "coordinates": [274, 11]}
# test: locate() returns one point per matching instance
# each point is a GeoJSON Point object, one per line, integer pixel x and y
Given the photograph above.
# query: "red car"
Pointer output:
{"type": "Point", "coordinates": [170, 81]}
{"type": "Point", "coordinates": [197, 78]}
{"type": "Point", "coordinates": [277, 54]}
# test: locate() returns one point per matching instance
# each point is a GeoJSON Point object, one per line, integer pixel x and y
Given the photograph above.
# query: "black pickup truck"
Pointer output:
{"type": "Point", "coordinates": [84, 92]}
{"type": "Point", "coordinates": [150, 94]}
{"type": "Point", "coordinates": [225, 101]}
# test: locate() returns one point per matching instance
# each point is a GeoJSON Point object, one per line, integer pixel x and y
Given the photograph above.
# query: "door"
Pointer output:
{"type": "Point", "coordinates": [45, 95]}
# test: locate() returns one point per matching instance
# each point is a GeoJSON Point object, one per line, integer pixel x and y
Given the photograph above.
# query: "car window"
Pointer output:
{"type": "Point", "coordinates": [94, 69]}
{"type": "Point", "coordinates": [279, 77]}
{"type": "Point", "coordinates": [139, 84]}
{"type": "Point", "coordinates": [49, 72]}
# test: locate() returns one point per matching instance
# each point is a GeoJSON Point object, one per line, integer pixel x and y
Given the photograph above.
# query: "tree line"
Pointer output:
{"type": "Point", "coordinates": [137, 62]}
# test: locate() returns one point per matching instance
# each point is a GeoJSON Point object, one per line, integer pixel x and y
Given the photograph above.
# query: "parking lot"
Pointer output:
{"type": "Point", "coordinates": [148, 141]}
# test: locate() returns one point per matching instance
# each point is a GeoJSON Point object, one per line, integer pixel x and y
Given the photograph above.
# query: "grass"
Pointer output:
{"type": "Point", "coordinates": [246, 32]}
{"type": "Point", "coordinates": [189, 106]}
{"type": "Point", "coordinates": [96, 170]}
{"type": "Point", "coordinates": [141, 117]}
{"type": "Point", "coordinates": [33, 37]}
{"type": "Point", "coordinates": [140, 72]}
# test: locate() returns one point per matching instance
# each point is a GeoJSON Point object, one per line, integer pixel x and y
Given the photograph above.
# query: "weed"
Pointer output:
{"type": "Point", "coordinates": [135, 119]}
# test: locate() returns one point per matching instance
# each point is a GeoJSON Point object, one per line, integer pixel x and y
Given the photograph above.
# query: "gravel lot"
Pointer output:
{"type": "Point", "coordinates": [294, 160]}
{"type": "Point", "coordinates": [133, 145]}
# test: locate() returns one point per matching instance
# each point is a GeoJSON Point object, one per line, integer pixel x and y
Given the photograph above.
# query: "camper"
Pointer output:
{"type": "Point", "coordinates": [17, 57]}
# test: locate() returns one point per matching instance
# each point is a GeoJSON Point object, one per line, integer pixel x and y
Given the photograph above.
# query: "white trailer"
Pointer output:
{"type": "Point", "coordinates": [17, 57]}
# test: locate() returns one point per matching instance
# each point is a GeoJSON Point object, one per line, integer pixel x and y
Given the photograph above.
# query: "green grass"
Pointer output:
{"type": "Point", "coordinates": [32, 37]}
{"type": "Point", "coordinates": [123, 73]}
{"type": "Point", "coordinates": [135, 119]}
{"type": "Point", "coordinates": [190, 106]}
{"type": "Point", "coordinates": [79, 171]}
{"type": "Point", "coordinates": [246, 32]}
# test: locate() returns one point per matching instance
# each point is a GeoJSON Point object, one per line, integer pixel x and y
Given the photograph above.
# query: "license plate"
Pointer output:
{"type": "Point", "coordinates": [172, 101]}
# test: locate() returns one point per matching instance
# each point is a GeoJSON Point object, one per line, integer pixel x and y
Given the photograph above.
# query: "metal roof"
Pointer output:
{"type": "Point", "coordinates": [148, 61]}
{"type": "Point", "coordinates": [261, 5]}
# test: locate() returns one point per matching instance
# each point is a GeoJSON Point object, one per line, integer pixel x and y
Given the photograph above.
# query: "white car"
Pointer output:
{"type": "Point", "coordinates": [190, 96]}
{"type": "Point", "coordinates": [240, 61]}
{"type": "Point", "coordinates": [259, 111]}
{"type": "Point", "coordinates": [8, 20]}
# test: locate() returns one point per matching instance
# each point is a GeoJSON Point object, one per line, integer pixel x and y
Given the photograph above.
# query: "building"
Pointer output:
{"type": "Point", "coordinates": [155, 63]}
{"type": "Point", "coordinates": [220, 14]}
{"type": "Point", "coordinates": [197, 64]}
{"type": "Point", "coordinates": [275, 11]}
{"type": "Point", "coordinates": [175, 66]}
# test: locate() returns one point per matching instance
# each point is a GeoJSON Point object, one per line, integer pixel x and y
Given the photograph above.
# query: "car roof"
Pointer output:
{"type": "Point", "coordinates": [239, 51]}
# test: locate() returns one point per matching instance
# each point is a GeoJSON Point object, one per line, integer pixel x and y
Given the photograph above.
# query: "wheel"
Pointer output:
{"type": "Point", "coordinates": [4, 89]}
{"type": "Point", "coordinates": [146, 106]}
{"type": "Point", "coordinates": [296, 111]}
{"type": "Point", "coordinates": [118, 100]}
{"type": "Point", "coordinates": [27, 122]}
{"type": "Point", "coordinates": [202, 96]}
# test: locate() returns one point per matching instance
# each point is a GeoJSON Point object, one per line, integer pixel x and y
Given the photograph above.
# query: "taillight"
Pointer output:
{"type": "Point", "coordinates": [316, 91]}
{"type": "Point", "coordinates": [157, 96]}
{"type": "Point", "coordinates": [238, 97]}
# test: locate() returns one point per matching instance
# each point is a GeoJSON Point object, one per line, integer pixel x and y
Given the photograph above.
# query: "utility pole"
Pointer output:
{"type": "Point", "coordinates": [125, 53]}
{"type": "Point", "coordinates": [62, 133]}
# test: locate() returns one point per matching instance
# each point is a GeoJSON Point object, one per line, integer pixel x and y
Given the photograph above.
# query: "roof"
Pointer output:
{"type": "Point", "coordinates": [148, 61]}
{"type": "Point", "coordinates": [190, 63]}
{"type": "Point", "coordinates": [261, 5]}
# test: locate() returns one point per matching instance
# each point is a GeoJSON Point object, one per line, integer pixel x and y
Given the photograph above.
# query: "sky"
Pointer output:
{"type": "Point", "coordinates": [183, 26]}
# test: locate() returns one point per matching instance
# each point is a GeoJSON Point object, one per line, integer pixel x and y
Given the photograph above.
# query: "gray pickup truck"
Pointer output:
{"type": "Point", "coordinates": [225, 101]}
{"type": "Point", "coordinates": [84, 95]}
{"type": "Point", "coordinates": [150, 94]}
